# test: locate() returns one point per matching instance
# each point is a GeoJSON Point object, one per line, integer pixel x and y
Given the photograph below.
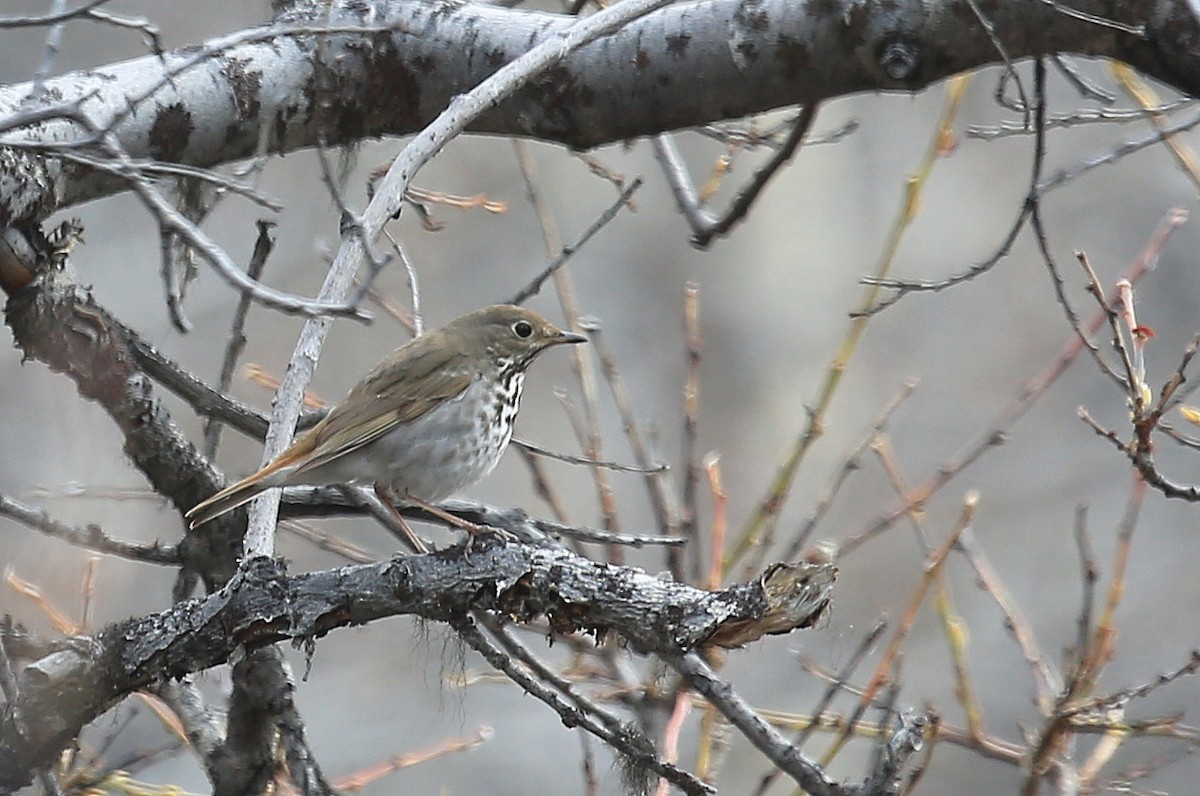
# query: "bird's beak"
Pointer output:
{"type": "Point", "coordinates": [564, 338]}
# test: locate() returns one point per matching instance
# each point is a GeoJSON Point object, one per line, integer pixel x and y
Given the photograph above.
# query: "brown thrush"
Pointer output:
{"type": "Point", "coordinates": [428, 421]}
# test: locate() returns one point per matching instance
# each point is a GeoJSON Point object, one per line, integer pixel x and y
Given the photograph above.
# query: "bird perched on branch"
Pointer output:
{"type": "Point", "coordinates": [429, 420]}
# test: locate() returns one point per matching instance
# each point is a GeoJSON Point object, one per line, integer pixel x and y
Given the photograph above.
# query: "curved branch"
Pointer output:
{"type": "Point", "coordinates": [388, 67]}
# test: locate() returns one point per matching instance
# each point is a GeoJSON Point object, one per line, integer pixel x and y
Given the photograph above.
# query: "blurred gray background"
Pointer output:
{"type": "Point", "coordinates": [774, 303]}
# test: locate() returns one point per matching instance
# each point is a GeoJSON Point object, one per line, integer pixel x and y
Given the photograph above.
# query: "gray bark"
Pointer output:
{"type": "Point", "coordinates": [363, 70]}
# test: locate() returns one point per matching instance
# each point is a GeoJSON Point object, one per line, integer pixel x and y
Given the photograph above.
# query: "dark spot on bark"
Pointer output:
{"type": "Point", "coordinates": [555, 93]}
{"type": "Point", "coordinates": [792, 55]}
{"type": "Point", "coordinates": [189, 49]}
{"type": "Point", "coordinates": [359, 7]}
{"type": "Point", "coordinates": [496, 57]}
{"type": "Point", "coordinates": [857, 20]}
{"type": "Point", "coordinates": [171, 132]}
{"type": "Point", "coordinates": [425, 64]}
{"type": "Point", "coordinates": [448, 6]}
{"type": "Point", "coordinates": [900, 60]}
{"type": "Point", "coordinates": [371, 98]}
{"type": "Point", "coordinates": [664, 79]}
{"type": "Point", "coordinates": [587, 97]}
{"type": "Point", "coordinates": [283, 117]}
{"type": "Point", "coordinates": [392, 94]}
{"type": "Point", "coordinates": [677, 44]}
{"type": "Point", "coordinates": [752, 18]}
{"type": "Point", "coordinates": [245, 85]}
{"type": "Point", "coordinates": [748, 51]}
{"type": "Point", "coordinates": [750, 15]}
{"type": "Point", "coordinates": [642, 59]}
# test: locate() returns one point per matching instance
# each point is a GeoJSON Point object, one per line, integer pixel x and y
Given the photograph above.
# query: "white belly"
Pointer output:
{"type": "Point", "coordinates": [442, 453]}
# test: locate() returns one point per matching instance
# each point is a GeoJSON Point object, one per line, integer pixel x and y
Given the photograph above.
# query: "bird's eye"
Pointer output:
{"type": "Point", "coordinates": [522, 329]}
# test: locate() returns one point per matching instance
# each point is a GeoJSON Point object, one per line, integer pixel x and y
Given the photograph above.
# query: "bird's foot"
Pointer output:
{"type": "Point", "coordinates": [414, 541]}
{"type": "Point", "coordinates": [473, 529]}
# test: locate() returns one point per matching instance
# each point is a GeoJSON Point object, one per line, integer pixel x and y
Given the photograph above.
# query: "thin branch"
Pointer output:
{"type": "Point", "coordinates": [836, 685]}
{"type": "Point", "coordinates": [784, 754]}
{"type": "Point", "coordinates": [1120, 151]}
{"type": "Point", "coordinates": [174, 222]}
{"type": "Point", "coordinates": [1094, 19]}
{"type": "Point", "coordinates": [1083, 116]}
{"type": "Point", "coordinates": [766, 513]}
{"type": "Point", "coordinates": [689, 511]}
{"type": "Point", "coordinates": [203, 400]}
{"type": "Point", "coordinates": [535, 285]}
{"type": "Point", "coordinates": [53, 41]}
{"type": "Point", "coordinates": [666, 509]}
{"type": "Point", "coordinates": [705, 226]}
{"type": "Point", "coordinates": [263, 245]}
{"type": "Point", "coordinates": [1002, 51]}
{"type": "Point", "coordinates": [90, 538]}
{"type": "Point", "coordinates": [414, 285]}
{"type": "Point", "coordinates": [56, 15]}
{"type": "Point", "coordinates": [309, 501]}
{"type": "Point", "coordinates": [1085, 87]}
{"type": "Point", "coordinates": [636, 747]}
{"type": "Point", "coordinates": [1048, 681]}
{"type": "Point", "coordinates": [538, 450]}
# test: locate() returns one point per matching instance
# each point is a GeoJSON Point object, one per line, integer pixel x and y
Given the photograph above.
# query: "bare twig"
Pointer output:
{"type": "Point", "coordinates": [1047, 680]}
{"type": "Point", "coordinates": [565, 252]}
{"type": "Point", "coordinates": [1088, 575]}
{"type": "Point", "coordinates": [588, 428]}
{"type": "Point", "coordinates": [174, 222]}
{"type": "Point", "coordinates": [850, 463]}
{"type": "Point", "coordinates": [837, 684]}
{"type": "Point", "coordinates": [538, 450]}
{"type": "Point", "coordinates": [1086, 88]}
{"type": "Point", "coordinates": [1095, 19]}
{"type": "Point", "coordinates": [237, 338]}
{"type": "Point", "coordinates": [766, 513]}
{"type": "Point", "coordinates": [56, 15]}
{"type": "Point", "coordinates": [634, 746]}
{"type": "Point", "coordinates": [91, 538]}
{"type": "Point", "coordinates": [666, 510]}
{"type": "Point", "coordinates": [706, 227]}
{"type": "Point", "coordinates": [1117, 153]}
{"type": "Point", "coordinates": [689, 511]}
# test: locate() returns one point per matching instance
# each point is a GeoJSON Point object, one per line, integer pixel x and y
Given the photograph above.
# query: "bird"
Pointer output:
{"type": "Point", "coordinates": [428, 421]}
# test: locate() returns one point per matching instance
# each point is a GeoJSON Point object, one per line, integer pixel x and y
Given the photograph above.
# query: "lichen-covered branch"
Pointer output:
{"type": "Point", "coordinates": [261, 605]}
{"type": "Point", "coordinates": [346, 71]}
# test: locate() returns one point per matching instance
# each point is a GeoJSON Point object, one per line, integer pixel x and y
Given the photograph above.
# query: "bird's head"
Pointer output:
{"type": "Point", "coordinates": [507, 333]}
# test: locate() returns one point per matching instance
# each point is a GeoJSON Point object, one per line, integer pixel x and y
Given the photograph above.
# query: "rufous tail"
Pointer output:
{"type": "Point", "coordinates": [249, 487]}
{"type": "Point", "coordinates": [227, 499]}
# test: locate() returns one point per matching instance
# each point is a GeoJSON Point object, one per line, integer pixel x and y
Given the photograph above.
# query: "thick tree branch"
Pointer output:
{"type": "Point", "coordinates": [262, 605]}
{"type": "Point", "coordinates": [388, 67]}
{"type": "Point", "coordinates": [58, 323]}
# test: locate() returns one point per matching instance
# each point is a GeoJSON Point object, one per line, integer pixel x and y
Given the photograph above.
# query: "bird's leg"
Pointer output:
{"type": "Point", "coordinates": [471, 528]}
{"type": "Point", "coordinates": [386, 499]}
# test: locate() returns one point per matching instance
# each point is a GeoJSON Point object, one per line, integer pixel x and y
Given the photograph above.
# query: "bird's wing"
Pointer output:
{"type": "Point", "coordinates": [384, 401]}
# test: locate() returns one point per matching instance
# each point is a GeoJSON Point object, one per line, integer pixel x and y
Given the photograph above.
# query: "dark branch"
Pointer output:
{"type": "Point", "coordinates": [262, 605]}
